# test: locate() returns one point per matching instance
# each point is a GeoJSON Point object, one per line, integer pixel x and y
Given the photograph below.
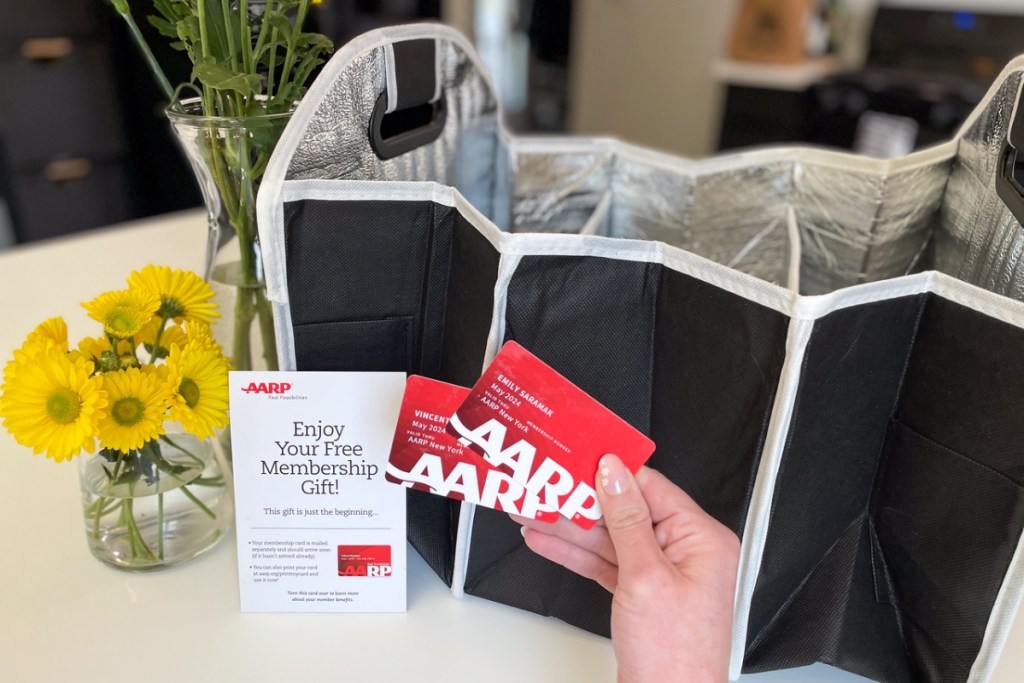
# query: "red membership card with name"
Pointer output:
{"type": "Point", "coordinates": [547, 434]}
{"type": "Point", "coordinates": [426, 458]}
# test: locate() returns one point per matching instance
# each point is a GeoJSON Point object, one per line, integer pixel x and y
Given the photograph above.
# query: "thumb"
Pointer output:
{"type": "Point", "coordinates": [626, 516]}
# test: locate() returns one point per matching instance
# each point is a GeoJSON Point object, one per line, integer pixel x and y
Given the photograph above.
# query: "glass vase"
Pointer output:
{"type": "Point", "coordinates": [157, 506]}
{"type": "Point", "coordinates": [229, 156]}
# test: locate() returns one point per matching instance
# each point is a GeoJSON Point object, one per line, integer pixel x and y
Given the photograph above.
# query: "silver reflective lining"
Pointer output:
{"type": "Point", "coordinates": [856, 219]}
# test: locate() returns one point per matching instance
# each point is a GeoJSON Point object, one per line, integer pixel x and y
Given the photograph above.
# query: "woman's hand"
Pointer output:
{"type": "Point", "coordinates": [670, 566]}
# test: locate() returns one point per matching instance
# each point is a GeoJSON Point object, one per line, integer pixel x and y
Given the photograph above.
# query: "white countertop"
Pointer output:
{"type": "Point", "coordinates": [67, 617]}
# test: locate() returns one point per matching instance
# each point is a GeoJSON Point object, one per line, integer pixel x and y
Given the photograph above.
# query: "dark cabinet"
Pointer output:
{"type": "Point", "coordinates": [62, 147]}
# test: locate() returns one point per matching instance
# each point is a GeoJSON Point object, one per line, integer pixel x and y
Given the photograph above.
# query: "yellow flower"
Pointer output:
{"type": "Point", "coordinates": [53, 404]}
{"type": "Point", "coordinates": [94, 347]}
{"type": "Point", "coordinates": [162, 375]}
{"type": "Point", "coordinates": [199, 379]}
{"type": "Point", "coordinates": [137, 404]}
{"type": "Point", "coordinates": [202, 334]}
{"type": "Point", "coordinates": [171, 336]}
{"type": "Point", "coordinates": [123, 312]}
{"type": "Point", "coordinates": [183, 295]}
{"type": "Point", "coordinates": [52, 333]}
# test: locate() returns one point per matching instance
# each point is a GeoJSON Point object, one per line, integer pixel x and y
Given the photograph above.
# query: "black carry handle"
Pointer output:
{"type": "Point", "coordinates": [412, 110]}
{"type": "Point", "coordinates": [1010, 176]}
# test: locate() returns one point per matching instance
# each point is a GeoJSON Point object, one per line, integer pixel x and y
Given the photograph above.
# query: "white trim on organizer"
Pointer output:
{"type": "Point", "coordinates": [507, 267]}
{"type": "Point", "coordinates": [390, 78]}
{"type": "Point", "coordinates": [368, 190]}
{"type": "Point", "coordinates": [467, 512]}
{"type": "Point", "coordinates": [438, 72]}
{"type": "Point", "coordinates": [270, 226]}
{"type": "Point", "coordinates": [755, 531]}
{"type": "Point", "coordinates": [483, 225]}
{"type": "Point", "coordinates": [795, 250]}
{"type": "Point", "coordinates": [808, 156]}
{"type": "Point", "coordinates": [285, 335]}
{"type": "Point", "coordinates": [997, 631]}
{"type": "Point", "coordinates": [597, 218]}
{"type": "Point", "coordinates": [463, 541]}
{"type": "Point", "coordinates": [747, 286]}
{"type": "Point", "coordinates": [993, 305]}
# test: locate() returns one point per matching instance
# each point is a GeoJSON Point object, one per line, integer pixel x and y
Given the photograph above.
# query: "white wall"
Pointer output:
{"type": "Point", "coordinates": [641, 70]}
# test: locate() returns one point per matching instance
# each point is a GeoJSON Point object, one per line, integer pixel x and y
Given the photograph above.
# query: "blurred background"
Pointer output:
{"type": "Point", "coordinates": [84, 141]}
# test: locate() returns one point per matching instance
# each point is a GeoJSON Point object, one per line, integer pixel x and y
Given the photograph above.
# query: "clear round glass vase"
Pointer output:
{"type": "Point", "coordinates": [157, 506]}
{"type": "Point", "coordinates": [229, 156]}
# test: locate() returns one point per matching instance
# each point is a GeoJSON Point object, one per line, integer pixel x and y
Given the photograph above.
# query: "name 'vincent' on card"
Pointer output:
{"type": "Point", "coordinates": [319, 529]}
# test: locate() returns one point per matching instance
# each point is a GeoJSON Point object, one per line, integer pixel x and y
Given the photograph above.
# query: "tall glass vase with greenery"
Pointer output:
{"type": "Point", "coordinates": [251, 62]}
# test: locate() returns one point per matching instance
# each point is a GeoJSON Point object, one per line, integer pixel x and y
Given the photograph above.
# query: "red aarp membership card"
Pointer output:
{"type": "Point", "coordinates": [530, 422]}
{"type": "Point", "coordinates": [425, 457]}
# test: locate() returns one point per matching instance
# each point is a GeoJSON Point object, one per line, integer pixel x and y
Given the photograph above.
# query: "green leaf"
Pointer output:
{"type": "Point", "coordinates": [220, 78]}
{"type": "Point", "coordinates": [188, 30]}
{"type": "Point", "coordinates": [165, 27]}
{"type": "Point", "coordinates": [277, 20]}
{"type": "Point", "coordinates": [217, 45]}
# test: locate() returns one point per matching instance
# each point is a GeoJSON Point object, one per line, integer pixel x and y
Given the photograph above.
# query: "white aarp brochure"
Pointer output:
{"type": "Point", "coordinates": [319, 529]}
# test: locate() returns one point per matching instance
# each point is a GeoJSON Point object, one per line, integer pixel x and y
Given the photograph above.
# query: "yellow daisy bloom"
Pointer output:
{"type": "Point", "coordinates": [52, 333]}
{"type": "Point", "coordinates": [172, 335]}
{"type": "Point", "coordinates": [102, 353]}
{"type": "Point", "coordinates": [123, 312]}
{"type": "Point", "coordinates": [162, 375]}
{"type": "Point", "coordinates": [183, 295]}
{"type": "Point", "coordinates": [53, 404]}
{"type": "Point", "coordinates": [95, 347]}
{"type": "Point", "coordinates": [199, 378]}
{"type": "Point", "coordinates": [137, 405]}
{"type": "Point", "coordinates": [202, 334]}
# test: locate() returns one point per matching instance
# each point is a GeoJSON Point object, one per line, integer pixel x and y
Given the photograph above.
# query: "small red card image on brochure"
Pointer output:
{"type": "Point", "coordinates": [425, 457]}
{"type": "Point", "coordinates": [548, 434]}
{"type": "Point", "coordinates": [364, 560]}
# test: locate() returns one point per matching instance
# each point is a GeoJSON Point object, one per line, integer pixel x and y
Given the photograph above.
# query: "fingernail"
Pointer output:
{"type": "Point", "coordinates": [522, 530]}
{"type": "Point", "coordinates": [614, 475]}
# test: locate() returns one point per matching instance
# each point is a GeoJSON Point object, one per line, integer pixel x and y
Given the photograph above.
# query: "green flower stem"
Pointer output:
{"type": "Point", "coordinates": [140, 42]}
{"type": "Point", "coordinates": [99, 503]}
{"type": "Point", "coordinates": [267, 329]}
{"type": "Point", "coordinates": [270, 68]}
{"type": "Point", "coordinates": [117, 466]}
{"type": "Point", "coordinates": [160, 520]}
{"type": "Point", "coordinates": [166, 439]}
{"type": "Point", "coordinates": [203, 43]}
{"type": "Point", "coordinates": [289, 58]}
{"type": "Point", "coordinates": [241, 346]}
{"type": "Point", "coordinates": [123, 521]}
{"type": "Point", "coordinates": [225, 9]}
{"type": "Point", "coordinates": [199, 503]}
{"type": "Point", "coordinates": [261, 39]}
{"type": "Point", "coordinates": [245, 35]}
{"type": "Point", "coordinates": [156, 341]}
{"type": "Point", "coordinates": [133, 530]}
